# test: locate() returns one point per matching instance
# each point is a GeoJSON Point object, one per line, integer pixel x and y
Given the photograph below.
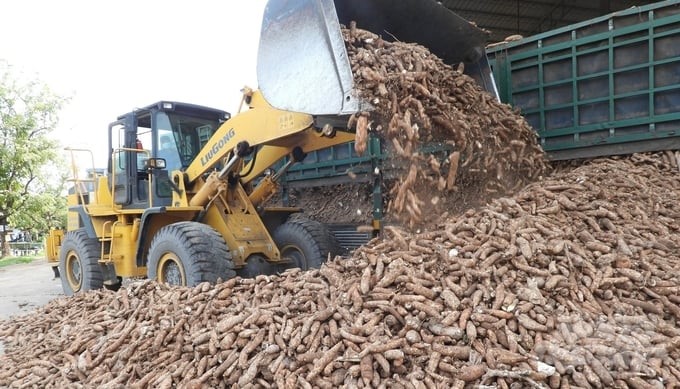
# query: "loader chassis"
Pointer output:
{"type": "Point", "coordinates": [201, 217]}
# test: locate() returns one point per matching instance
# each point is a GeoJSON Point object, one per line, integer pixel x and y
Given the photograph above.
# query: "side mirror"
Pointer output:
{"type": "Point", "coordinates": [154, 163]}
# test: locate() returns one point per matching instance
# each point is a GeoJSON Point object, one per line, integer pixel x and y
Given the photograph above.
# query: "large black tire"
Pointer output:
{"type": "Point", "coordinates": [306, 242]}
{"type": "Point", "coordinates": [79, 263]}
{"type": "Point", "coordinates": [188, 253]}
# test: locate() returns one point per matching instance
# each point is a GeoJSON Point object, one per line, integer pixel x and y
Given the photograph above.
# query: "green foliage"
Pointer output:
{"type": "Point", "coordinates": [49, 204]}
{"type": "Point", "coordinates": [7, 261]}
{"type": "Point", "coordinates": [31, 170]}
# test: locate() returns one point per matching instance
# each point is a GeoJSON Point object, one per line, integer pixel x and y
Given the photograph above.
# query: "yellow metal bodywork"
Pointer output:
{"type": "Point", "coordinates": [308, 140]}
{"type": "Point", "coordinates": [259, 125]}
{"type": "Point", "coordinates": [230, 208]}
{"type": "Point", "coordinates": [242, 228]}
{"type": "Point", "coordinates": [52, 245]}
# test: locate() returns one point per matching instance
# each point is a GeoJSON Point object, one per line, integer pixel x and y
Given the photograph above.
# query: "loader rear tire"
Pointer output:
{"type": "Point", "coordinates": [305, 242]}
{"type": "Point", "coordinates": [189, 253]}
{"type": "Point", "coordinates": [79, 263]}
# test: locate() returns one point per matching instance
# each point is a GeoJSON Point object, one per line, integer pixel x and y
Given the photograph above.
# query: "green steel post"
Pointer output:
{"type": "Point", "coordinates": [376, 165]}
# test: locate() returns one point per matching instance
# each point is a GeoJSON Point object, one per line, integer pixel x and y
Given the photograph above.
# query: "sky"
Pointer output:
{"type": "Point", "coordinates": [111, 57]}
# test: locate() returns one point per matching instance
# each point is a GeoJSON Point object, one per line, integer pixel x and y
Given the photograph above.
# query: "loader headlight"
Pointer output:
{"type": "Point", "coordinates": [328, 130]}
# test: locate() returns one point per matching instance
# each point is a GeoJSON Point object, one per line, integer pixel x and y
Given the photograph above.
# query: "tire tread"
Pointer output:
{"type": "Point", "coordinates": [321, 241]}
{"type": "Point", "coordinates": [89, 251]}
{"type": "Point", "coordinates": [208, 254]}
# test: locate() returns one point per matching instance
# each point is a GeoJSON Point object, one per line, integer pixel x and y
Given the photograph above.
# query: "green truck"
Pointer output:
{"type": "Point", "coordinates": [606, 86]}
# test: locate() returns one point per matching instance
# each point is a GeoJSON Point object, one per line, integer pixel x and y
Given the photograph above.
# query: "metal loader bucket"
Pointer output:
{"type": "Point", "coordinates": [303, 65]}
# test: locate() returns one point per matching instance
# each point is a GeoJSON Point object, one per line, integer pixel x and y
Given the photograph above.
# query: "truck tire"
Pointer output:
{"type": "Point", "coordinates": [306, 242]}
{"type": "Point", "coordinates": [188, 253]}
{"type": "Point", "coordinates": [79, 263]}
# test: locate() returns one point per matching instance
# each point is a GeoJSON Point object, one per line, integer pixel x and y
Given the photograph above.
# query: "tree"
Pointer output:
{"type": "Point", "coordinates": [47, 200]}
{"type": "Point", "coordinates": [29, 192]}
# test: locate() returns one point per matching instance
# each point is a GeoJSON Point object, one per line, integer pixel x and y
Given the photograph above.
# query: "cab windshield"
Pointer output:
{"type": "Point", "coordinates": [179, 138]}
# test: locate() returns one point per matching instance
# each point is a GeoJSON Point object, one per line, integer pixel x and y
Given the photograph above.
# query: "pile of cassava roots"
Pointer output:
{"type": "Point", "coordinates": [572, 282]}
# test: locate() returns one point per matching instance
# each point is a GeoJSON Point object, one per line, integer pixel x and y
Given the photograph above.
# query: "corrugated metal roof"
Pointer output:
{"type": "Point", "coordinates": [530, 17]}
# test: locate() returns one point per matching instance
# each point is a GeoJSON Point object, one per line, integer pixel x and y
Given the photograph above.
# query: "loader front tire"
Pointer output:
{"type": "Point", "coordinates": [306, 243]}
{"type": "Point", "coordinates": [188, 253]}
{"type": "Point", "coordinates": [79, 263]}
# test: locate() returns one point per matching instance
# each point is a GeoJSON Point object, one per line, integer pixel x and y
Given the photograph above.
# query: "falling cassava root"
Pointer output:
{"type": "Point", "coordinates": [420, 103]}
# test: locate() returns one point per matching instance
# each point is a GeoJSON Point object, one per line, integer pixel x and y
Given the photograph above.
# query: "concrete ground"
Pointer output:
{"type": "Point", "coordinates": [26, 286]}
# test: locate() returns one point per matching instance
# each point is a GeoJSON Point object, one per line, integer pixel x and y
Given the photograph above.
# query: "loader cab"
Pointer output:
{"type": "Point", "coordinates": [173, 131]}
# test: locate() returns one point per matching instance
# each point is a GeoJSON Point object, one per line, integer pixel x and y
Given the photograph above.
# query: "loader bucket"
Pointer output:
{"type": "Point", "coordinates": [303, 64]}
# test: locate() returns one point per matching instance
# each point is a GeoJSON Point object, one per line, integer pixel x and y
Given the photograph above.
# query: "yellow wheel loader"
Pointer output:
{"type": "Point", "coordinates": [183, 198]}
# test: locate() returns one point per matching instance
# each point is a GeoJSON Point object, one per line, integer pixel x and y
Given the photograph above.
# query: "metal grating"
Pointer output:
{"type": "Point", "coordinates": [503, 18]}
{"type": "Point", "coordinates": [348, 237]}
